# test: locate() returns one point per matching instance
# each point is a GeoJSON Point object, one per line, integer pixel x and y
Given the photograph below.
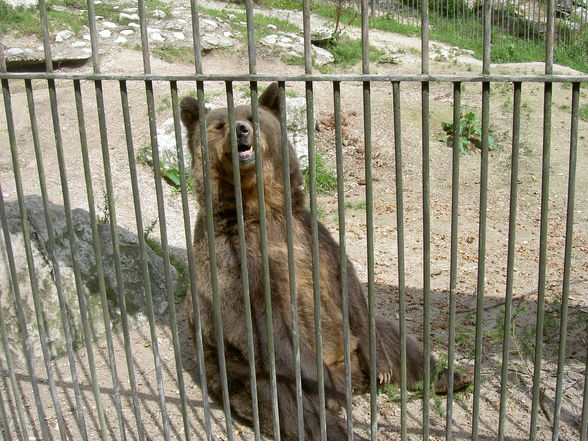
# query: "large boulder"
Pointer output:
{"type": "Point", "coordinates": [132, 276]}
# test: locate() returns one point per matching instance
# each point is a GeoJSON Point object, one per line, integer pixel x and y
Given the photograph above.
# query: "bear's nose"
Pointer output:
{"type": "Point", "coordinates": [243, 131]}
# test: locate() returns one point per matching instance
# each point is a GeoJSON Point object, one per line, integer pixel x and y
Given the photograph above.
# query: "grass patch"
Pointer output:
{"type": "Point", "coordinates": [183, 272]}
{"type": "Point", "coordinates": [172, 54]}
{"type": "Point", "coordinates": [26, 21]}
{"type": "Point", "coordinates": [326, 181]}
{"type": "Point", "coordinates": [583, 113]}
{"type": "Point", "coordinates": [505, 48]}
{"type": "Point", "coordinates": [260, 22]}
{"type": "Point", "coordinates": [355, 205]}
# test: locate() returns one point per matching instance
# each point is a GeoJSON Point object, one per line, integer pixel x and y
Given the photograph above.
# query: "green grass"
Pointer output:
{"type": "Point", "coordinates": [173, 54]}
{"type": "Point", "coordinates": [183, 272]}
{"type": "Point", "coordinates": [355, 205]}
{"type": "Point", "coordinates": [505, 49]}
{"type": "Point", "coordinates": [326, 181]}
{"type": "Point", "coordinates": [583, 113]}
{"type": "Point", "coordinates": [25, 21]}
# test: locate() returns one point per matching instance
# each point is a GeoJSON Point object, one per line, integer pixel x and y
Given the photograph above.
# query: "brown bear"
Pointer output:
{"type": "Point", "coordinates": [231, 291]}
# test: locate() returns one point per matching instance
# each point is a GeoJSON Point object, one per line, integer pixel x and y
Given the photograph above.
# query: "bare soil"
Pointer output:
{"type": "Point", "coordinates": [525, 283]}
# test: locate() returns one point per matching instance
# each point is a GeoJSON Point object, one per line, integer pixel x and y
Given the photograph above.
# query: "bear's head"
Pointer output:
{"type": "Point", "coordinates": [218, 139]}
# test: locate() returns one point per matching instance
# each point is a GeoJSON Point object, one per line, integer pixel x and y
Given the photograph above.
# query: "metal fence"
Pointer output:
{"type": "Point", "coordinates": [515, 19]}
{"type": "Point", "coordinates": [106, 391]}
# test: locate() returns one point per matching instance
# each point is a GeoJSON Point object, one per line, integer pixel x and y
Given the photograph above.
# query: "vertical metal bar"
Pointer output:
{"type": "Point", "coordinates": [209, 222]}
{"type": "Point", "coordinates": [67, 210]}
{"type": "Point", "coordinates": [6, 434]}
{"type": "Point", "coordinates": [146, 278]}
{"type": "Point", "coordinates": [212, 259]}
{"type": "Point", "coordinates": [187, 228]}
{"type": "Point", "coordinates": [72, 240]}
{"type": "Point", "coordinates": [291, 258]}
{"type": "Point", "coordinates": [20, 426]}
{"type": "Point", "coordinates": [400, 242]}
{"type": "Point", "coordinates": [514, 176]}
{"type": "Point", "coordinates": [425, 138]}
{"type": "Point", "coordinates": [171, 299]}
{"type": "Point", "coordinates": [45, 33]}
{"type": "Point", "coordinates": [262, 221]}
{"type": "Point", "coordinates": [343, 257]}
{"type": "Point", "coordinates": [547, 104]}
{"type": "Point", "coordinates": [482, 220]}
{"type": "Point", "coordinates": [166, 261]}
{"type": "Point", "coordinates": [584, 422]}
{"type": "Point", "coordinates": [191, 265]}
{"type": "Point", "coordinates": [142, 251]}
{"type": "Point", "coordinates": [453, 255]}
{"type": "Point", "coordinates": [314, 222]}
{"type": "Point", "coordinates": [367, 117]}
{"type": "Point", "coordinates": [563, 326]}
{"type": "Point", "coordinates": [144, 36]}
{"type": "Point", "coordinates": [243, 257]}
{"type": "Point", "coordinates": [100, 107]}
{"type": "Point", "coordinates": [30, 263]}
{"type": "Point", "coordinates": [93, 35]}
{"type": "Point", "coordinates": [96, 244]}
{"type": "Point", "coordinates": [36, 300]}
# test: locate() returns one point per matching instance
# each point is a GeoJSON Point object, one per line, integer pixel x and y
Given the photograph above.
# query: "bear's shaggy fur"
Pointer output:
{"type": "Point", "coordinates": [230, 288]}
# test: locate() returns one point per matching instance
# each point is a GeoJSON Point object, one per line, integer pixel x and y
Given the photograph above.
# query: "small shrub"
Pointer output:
{"type": "Point", "coordinates": [470, 133]}
{"type": "Point", "coordinates": [326, 181]}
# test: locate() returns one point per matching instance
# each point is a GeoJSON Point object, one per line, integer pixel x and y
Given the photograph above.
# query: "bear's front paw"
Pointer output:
{"type": "Point", "coordinates": [462, 378]}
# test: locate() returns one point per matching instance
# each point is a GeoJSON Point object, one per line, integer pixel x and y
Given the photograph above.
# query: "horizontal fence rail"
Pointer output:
{"type": "Point", "coordinates": [477, 253]}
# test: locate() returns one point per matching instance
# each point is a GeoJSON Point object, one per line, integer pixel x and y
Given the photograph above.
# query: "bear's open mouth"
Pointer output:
{"type": "Point", "coordinates": [246, 153]}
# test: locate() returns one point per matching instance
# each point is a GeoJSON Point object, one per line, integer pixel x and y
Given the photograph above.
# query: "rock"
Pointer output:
{"type": "Point", "coordinates": [158, 13]}
{"type": "Point", "coordinates": [79, 44]}
{"type": "Point", "coordinates": [31, 59]}
{"type": "Point", "coordinates": [321, 56]}
{"type": "Point", "coordinates": [125, 16]}
{"type": "Point", "coordinates": [166, 142]}
{"type": "Point", "coordinates": [105, 33]}
{"type": "Point", "coordinates": [215, 41]}
{"type": "Point", "coordinates": [207, 24]}
{"type": "Point", "coordinates": [45, 276]}
{"type": "Point", "coordinates": [179, 35]}
{"type": "Point", "coordinates": [63, 35]}
{"type": "Point", "coordinates": [134, 25]}
{"type": "Point", "coordinates": [269, 40]}
{"type": "Point", "coordinates": [296, 127]}
{"type": "Point", "coordinates": [127, 32]}
{"type": "Point", "coordinates": [109, 25]}
{"type": "Point", "coordinates": [293, 45]}
{"type": "Point", "coordinates": [156, 36]}
{"type": "Point", "coordinates": [321, 36]}
{"type": "Point", "coordinates": [24, 3]}
{"type": "Point", "coordinates": [120, 40]}
{"type": "Point", "coordinates": [15, 51]}
{"type": "Point", "coordinates": [273, 27]}
{"type": "Point", "coordinates": [87, 37]}
{"type": "Point", "coordinates": [231, 16]}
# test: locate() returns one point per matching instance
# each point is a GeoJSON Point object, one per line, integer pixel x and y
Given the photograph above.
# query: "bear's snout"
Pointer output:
{"type": "Point", "coordinates": [243, 132]}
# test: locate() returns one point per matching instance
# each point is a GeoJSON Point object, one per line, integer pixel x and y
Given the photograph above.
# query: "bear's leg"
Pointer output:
{"type": "Point", "coordinates": [240, 397]}
{"type": "Point", "coordinates": [388, 361]}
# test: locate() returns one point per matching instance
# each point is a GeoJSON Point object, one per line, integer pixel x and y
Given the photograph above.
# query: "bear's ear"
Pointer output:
{"type": "Point", "coordinates": [270, 99]}
{"type": "Point", "coordinates": [189, 111]}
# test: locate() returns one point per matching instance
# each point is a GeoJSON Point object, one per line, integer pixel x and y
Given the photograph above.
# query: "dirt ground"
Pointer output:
{"type": "Point", "coordinates": [385, 239]}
